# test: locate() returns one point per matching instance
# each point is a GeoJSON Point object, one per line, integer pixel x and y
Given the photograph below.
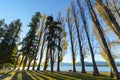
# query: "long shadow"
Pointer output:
{"type": "Point", "coordinates": [75, 74]}
{"type": "Point", "coordinates": [59, 76]}
{"type": "Point", "coordinates": [46, 77]}
{"type": "Point", "coordinates": [86, 76]}
{"type": "Point", "coordinates": [90, 75]}
{"type": "Point", "coordinates": [33, 76]}
{"type": "Point", "coordinates": [5, 75]}
{"type": "Point", "coordinates": [50, 75]}
{"type": "Point", "coordinates": [80, 76]}
{"type": "Point", "coordinates": [15, 77]}
{"type": "Point", "coordinates": [25, 76]}
{"type": "Point", "coordinates": [39, 75]}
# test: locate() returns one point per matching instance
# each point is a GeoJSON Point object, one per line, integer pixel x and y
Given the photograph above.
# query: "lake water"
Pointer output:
{"type": "Point", "coordinates": [78, 68]}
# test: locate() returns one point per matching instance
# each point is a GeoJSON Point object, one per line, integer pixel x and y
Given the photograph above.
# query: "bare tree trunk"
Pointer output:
{"type": "Point", "coordinates": [33, 68]}
{"type": "Point", "coordinates": [16, 63]}
{"type": "Point", "coordinates": [73, 54]}
{"type": "Point", "coordinates": [25, 61]}
{"type": "Point", "coordinates": [71, 38]}
{"type": "Point", "coordinates": [78, 35]}
{"type": "Point", "coordinates": [42, 29]}
{"type": "Point", "coordinates": [62, 25]}
{"type": "Point", "coordinates": [58, 63]}
{"type": "Point", "coordinates": [98, 27]}
{"type": "Point", "coordinates": [21, 62]}
{"type": "Point", "coordinates": [95, 69]}
{"type": "Point", "coordinates": [51, 53]}
{"type": "Point", "coordinates": [29, 64]}
{"type": "Point", "coordinates": [51, 59]}
{"type": "Point", "coordinates": [46, 59]}
{"type": "Point", "coordinates": [35, 58]}
{"type": "Point", "coordinates": [41, 54]}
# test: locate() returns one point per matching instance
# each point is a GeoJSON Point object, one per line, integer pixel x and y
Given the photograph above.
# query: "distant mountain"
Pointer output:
{"type": "Point", "coordinates": [64, 64]}
{"type": "Point", "coordinates": [86, 64]}
{"type": "Point", "coordinates": [99, 63]}
{"type": "Point", "coordinates": [117, 62]}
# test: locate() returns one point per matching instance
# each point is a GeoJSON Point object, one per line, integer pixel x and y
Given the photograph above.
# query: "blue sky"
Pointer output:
{"type": "Point", "coordinates": [23, 9]}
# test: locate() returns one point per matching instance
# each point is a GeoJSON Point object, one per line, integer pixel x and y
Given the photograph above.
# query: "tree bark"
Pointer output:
{"type": "Point", "coordinates": [46, 59]}
{"type": "Point", "coordinates": [21, 62]}
{"type": "Point", "coordinates": [95, 69]}
{"type": "Point", "coordinates": [16, 63]}
{"type": "Point", "coordinates": [78, 35]}
{"type": "Point", "coordinates": [29, 64]}
{"type": "Point", "coordinates": [58, 63]}
{"type": "Point", "coordinates": [73, 53]}
{"type": "Point", "coordinates": [24, 63]}
{"type": "Point", "coordinates": [41, 54]}
{"type": "Point", "coordinates": [98, 27]}
{"type": "Point", "coordinates": [71, 41]}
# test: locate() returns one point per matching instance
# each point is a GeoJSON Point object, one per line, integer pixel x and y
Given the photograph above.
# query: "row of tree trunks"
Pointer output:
{"type": "Point", "coordinates": [98, 27]}
{"type": "Point", "coordinates": [71, 38]}
{"type": "Point", "coordinates": [95, 69]}
{"type": "Point", "coordinates": [76, 21]}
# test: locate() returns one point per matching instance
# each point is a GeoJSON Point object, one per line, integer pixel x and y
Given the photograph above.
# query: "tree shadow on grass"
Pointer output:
{"type": "Point", "coordinates": [43, 76]}
{"type": "Point", "coordinates": [25, 76]}
{"type": "Point", "coordinates": [61, 76]}
{"type": "Point", "coordinates": [57, 76]}
{"type": "Point", "coordinates": [86, 76]}
{"type": "Point", "coordinates": [15, 77]}
{"type": "Point", "coordinates": [5, 75]}
{"type": "Point", "coordinates": [33, 76]}
{"type": "Point", "coordinates": [49, 74]}
{"type": "Point", "coordinates": [46, 75]}
{"type": "Point", "coordinates": [22, 75]}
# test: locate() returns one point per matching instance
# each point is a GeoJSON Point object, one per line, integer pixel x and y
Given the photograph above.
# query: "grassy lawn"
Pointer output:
{"type": "Point", "coordinates": [46, 75]}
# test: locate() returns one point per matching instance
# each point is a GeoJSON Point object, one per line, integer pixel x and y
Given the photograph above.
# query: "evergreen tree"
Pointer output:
{"type": "Point", "coordinates": [52, 36]}
{"type": "Point", "coordinates": [8, 45]}
{"type": "Point", "coordinates": [30, 42]}
{"type": "Point", "coordinates": [62, 41]}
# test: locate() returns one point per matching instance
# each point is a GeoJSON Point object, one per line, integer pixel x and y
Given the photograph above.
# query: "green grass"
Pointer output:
{"type": "Point", "coordinates": [46, 75]}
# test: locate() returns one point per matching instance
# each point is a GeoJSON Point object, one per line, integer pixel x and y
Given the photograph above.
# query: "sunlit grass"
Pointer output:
{"type": "Point", "coordinates": [43, 75]}
{"type": "Point", "coordinates": [47, 75]}
{"type": "Point", "coordinates": [87, 76]}
{"type": "Point", "coordinates": [38, 77]}
{"type": "Point", "coordinates": [62, 75]}
{"type": "Point", "coordinates": [31, 75]}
